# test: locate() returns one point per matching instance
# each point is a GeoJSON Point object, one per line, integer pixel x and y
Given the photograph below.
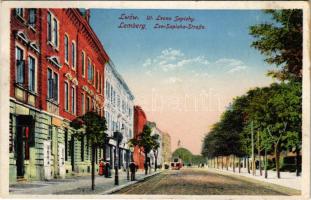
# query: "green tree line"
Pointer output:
{"type": "Point", "coordinates": [268, 119]}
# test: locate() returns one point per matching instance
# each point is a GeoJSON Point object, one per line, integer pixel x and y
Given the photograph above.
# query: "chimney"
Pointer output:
{"type": "Point", "coordinates": [87, 15]}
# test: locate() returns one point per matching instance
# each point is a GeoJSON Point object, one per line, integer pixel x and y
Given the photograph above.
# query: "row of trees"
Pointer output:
{"type": "Point", "coordinates": [267, 118]}
{"type": "Point", "coordinates": [270, 117]}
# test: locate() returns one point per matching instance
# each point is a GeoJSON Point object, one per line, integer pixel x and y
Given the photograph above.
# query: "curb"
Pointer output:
{"type": "Point", "coordinates": [115, 189]}
{"type": "Point", "coordinates": [252, 178]}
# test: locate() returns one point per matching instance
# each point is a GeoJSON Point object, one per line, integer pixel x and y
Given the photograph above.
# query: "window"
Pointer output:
{"type": "Point", "coordinates": [66, 48]}
{"type": "Point", "coordinates": [66, 96]}
{"type": "Point", "coordinates": [49, 28]}
{"type": "Point", "coordinates": [107, 90]}
{"type": "Point", "coordinates": [52, 85]}
{"type": "Point", "coordinates": [32, 17]}
{"type": "Point", "coordinates": [89, 70]}
{"type": "Point", "coordinates": [73, 54]}
{"type": "Point", "coordinates": [82, 103]}
{"type": "Point", "coordinates": [83, 64]}
{"type": "Point", "coordinates": [88, 104]}
{"type": "Point", "coordinates": [55, 32]}
{"type": "Point", "coordinates": [101, 85]}
{"type": "Point", "coordinates": [97, 80]}
{"type": "Point", "coordinates": [19, 12]}
{"type": "Point", "coordinates": [94, 106]}
{"type": "Point", "coordinates": [20, 66]}
{"type": "Point", "coordinates": [52, 29]}
{"type": "Point", "coordinates": [73, 100]}
{"type": "Point", "coordinates": [32, 74]}
{"type": "Point", "coordinates": [93, 73]}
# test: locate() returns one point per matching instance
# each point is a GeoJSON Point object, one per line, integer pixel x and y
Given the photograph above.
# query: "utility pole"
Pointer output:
{"type": "Point", "coordinates": [253, 149]}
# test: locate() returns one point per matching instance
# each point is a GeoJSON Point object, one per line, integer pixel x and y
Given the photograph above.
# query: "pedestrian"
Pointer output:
{"type": "Point", "coordinates": [146, 167]}
{"type": "Point", "coordinates": [101, 167]}
{"type": "Point", "coordinates": [107, 170]}
{"type": "Point", "coordinates": [133, 169]}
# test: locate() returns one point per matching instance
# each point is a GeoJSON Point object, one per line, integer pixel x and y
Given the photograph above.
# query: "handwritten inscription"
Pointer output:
{"type": "Point", "coordinates": [158, 22]}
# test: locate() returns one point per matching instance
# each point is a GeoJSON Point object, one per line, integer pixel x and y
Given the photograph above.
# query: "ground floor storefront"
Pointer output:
{"type": "Point", "coordinates": [44, 146]}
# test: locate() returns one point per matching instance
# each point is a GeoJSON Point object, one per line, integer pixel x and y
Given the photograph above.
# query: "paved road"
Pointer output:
{"type": "Point", "coordinates": [203, 182]}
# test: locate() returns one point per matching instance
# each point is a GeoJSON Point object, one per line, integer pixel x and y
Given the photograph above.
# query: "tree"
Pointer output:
{"type": "Point", "coordinates": [277, 112]}
{"type": "Point", "coordinates": [146, 142]}
{"type": "Point", "coordinates": [281, 43]}
{"type": "Point", "coordinates": [93, 127]}
{"type": "Point", "coordinates": [155, 149]}
{"type": "Point", "coordinates": [183, 154]}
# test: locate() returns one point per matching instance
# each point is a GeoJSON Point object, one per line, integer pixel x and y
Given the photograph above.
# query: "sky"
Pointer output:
{"type": "Point", "coordinates": [183, 78]}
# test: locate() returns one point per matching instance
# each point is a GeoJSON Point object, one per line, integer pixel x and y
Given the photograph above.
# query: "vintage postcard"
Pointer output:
{"type": "Point", "coordinates": [155, 99]}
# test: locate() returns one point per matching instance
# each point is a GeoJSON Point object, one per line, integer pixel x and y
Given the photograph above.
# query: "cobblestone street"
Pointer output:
{"type": "Point", "coordinates": [204, 182]}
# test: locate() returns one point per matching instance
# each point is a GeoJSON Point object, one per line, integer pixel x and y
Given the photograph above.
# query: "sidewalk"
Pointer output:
{"type": "Point", "coordinates": [77, 185]}
{"type": "Point", "coordinates": [287, 179]}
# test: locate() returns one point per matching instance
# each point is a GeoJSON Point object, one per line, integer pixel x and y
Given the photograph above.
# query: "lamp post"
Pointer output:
{"type": "Point", "coordinates": [127, 165]}
{"type": "Point", "coordinates": [117, 136]}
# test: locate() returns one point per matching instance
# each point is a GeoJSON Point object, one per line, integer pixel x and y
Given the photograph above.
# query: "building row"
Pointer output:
{"type": "Point", "coordinates": [59, 70]}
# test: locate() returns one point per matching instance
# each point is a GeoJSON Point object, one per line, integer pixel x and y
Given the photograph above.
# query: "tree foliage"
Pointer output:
{"type": "Point", "coordinates": [273, 112]}
{"type": "Point", "coordinates": [145, 141]}
{"type": "Point", "coordinates": [281, 43]}
{"type": "Point", "coordinates": [91, 125]}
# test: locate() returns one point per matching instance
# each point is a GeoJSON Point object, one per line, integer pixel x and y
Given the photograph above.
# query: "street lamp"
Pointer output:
{"type": "Point", "coordinates": [127, 165]}
{"type": "Point", "coordinates": [117, 136]}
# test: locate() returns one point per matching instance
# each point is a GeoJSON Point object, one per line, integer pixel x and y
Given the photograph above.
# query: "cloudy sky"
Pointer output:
{"type": "Point", "coordinates": [184, 79]}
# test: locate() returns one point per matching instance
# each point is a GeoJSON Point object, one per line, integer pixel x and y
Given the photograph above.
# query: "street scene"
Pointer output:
{"type": "Point", "coordinates": [201, 182]}
{"type": "Point", "coordinates": [155, 102]}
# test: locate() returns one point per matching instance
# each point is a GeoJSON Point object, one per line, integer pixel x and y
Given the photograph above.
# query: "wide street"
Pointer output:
{"type": "Point", "coordinates": [194, 181]}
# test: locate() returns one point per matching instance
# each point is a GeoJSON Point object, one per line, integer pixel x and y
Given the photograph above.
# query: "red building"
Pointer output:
{"type": "Point", "coordinates": [140, 120]}
{"type": "Point", "coordinates": [57, 73]}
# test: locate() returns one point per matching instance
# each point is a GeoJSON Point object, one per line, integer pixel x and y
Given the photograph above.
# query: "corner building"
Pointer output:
{"type": "Point", "coordinates": [57, 73]}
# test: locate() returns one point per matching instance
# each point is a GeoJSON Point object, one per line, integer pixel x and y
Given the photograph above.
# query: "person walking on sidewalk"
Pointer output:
{"type": "Point", "coordinates": [133, 170]}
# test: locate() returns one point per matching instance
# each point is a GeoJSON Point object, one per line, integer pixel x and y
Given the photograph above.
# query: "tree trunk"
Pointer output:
{"type": "Point", "coordinates": [260, 170]}
{"type": "Point", "coordinates": [233, 163]}
{"type": "Point", "coordinates": [214, 162]}
{"type": "Point", "coordinates": [247, 163]}
{"type": "Point", "coordinates": [227, 163]}
{"type": "Point", "coordinates": [297, 162]}
{"type": "Point", "coordinates": [155, 162]}
{"type": "Point", "coordinates": [277, 160]}
{"type": "Point", "coordinates": [244, 162]}
{"type": "Point", "coordinates": [239, 165]}
{"type": "Point", "coordinates": [93, 167]}
{"type": "Point", "coordinates": [217, 162]}
{"type": "Point", "coordinates": [222, 162]}
{"type": "Point", "coordinates": [259, 156]}
{"type": "Point", "coordinates": [266, 164]}
{"type": "Point", "coordinates": [146, 165]}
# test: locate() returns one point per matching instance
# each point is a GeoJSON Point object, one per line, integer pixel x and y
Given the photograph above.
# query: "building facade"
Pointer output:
{"type": "Point", "coordinates": [166, 148]}
{"type": "Point", "coordinates": [119, 114]}
{"type": "Point", "coordinates": [57, 73]}
{"type": "Point", "coordinates": [140, 120]}
{"type": "Point", "coordinates": [156, 156]}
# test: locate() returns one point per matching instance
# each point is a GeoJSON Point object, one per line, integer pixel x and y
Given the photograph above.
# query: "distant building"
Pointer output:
{"type": "Point", "coordinates": [166, 148]}
{"type": "Point", "coordinates": [140, 120]}
{"type": "Point", "coordinates": [152, 155]}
